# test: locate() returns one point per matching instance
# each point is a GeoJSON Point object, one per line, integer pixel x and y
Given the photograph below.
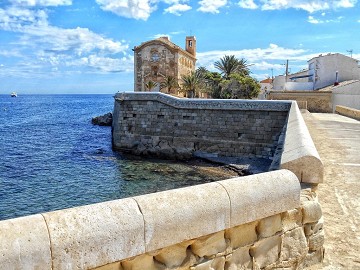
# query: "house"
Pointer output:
{"type": "Point", "coordinates": [323, 70]}
{"type": "Point", "coordinates": [157, 59]}
{"type": "Point", "coordinates": [266, 86]}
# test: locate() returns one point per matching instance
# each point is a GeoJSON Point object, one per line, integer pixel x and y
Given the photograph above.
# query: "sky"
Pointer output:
{"type": "Point", "coordinates": [85, 46]}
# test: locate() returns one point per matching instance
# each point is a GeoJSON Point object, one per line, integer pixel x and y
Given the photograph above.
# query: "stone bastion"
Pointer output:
{"type": "Point", "coordinates": [270, 220]}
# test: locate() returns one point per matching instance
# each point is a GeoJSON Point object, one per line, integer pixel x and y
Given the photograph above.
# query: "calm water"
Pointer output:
{"type": "Point", "coordinates": [52, 157]}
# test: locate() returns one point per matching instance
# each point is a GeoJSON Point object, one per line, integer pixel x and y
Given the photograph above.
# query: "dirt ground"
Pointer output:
{"type": "Point", "coordinates": [337, 140]}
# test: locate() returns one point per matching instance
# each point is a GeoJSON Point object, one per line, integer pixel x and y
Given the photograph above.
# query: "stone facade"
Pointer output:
{"type": "Point", "coordinates": [161, 125]}
{"type": "Point", "coordinates": [156, 59]}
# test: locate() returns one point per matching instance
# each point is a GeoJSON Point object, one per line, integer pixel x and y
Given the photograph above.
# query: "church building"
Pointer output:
{"type": "Point", "coordinates": [156, 60]}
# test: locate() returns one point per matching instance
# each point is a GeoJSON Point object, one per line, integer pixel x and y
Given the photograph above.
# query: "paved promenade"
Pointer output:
{"type": "Point", "coordinates": [337, 139]}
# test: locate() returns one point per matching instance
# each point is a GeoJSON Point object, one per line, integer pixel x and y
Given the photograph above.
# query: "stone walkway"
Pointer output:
{"type": "Point", "coordinates": [337, 139]}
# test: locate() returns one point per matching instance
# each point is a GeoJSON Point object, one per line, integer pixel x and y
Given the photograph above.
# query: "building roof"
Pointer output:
{"type": "Point", "coordinates": [165, 42]}
{"type": "Point", "coordinates": [268, 80]}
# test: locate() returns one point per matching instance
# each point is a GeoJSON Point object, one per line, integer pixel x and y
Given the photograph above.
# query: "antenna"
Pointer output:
{"type": "Point", "coordinates": [350, 51]}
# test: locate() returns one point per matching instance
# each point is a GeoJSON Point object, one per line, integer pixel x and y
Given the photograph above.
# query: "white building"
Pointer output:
{"type": "Point", "coordinates": [323, 70]}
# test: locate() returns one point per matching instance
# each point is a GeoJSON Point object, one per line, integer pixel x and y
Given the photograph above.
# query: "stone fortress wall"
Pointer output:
{"type": "Point", "coordinates": [262, 221]}
{"type": "Point", "coordinates": [161, 125]}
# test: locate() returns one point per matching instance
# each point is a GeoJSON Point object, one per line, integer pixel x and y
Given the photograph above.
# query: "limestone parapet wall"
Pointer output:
{"type": "Point", "coordinates": [349, 112]}
{"type": "Point", "coordinates": [256, 219]}
{"type": "Point", "coordinates": [316, 101]}
{"type": "Point", "coordinates": [297, 150]}
{"type": "Point", "coordinates": [160, 125]}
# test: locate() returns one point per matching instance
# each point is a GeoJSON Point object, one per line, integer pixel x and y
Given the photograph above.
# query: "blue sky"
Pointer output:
{"type": "Point", "coordinates": [85, 46]}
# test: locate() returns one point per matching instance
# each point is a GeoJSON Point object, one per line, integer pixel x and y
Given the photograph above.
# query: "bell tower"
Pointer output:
{"type": "Point", "coordinates": [191, 45]}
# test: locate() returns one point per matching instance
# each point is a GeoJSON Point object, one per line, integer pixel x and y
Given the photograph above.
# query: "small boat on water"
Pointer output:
{"type": "Point", "coordinates": [14, 94]}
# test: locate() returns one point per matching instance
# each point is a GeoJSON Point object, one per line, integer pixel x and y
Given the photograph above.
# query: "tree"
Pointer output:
{"type": "Point", "coordinates": [240, 87]}
{"type": "Point", "coordinates": [170, 83]}
{"type": "Point", "coordinates": [150, 85]}
{"type": "Point", "coordinates": [190, 84]}
{"type": "Point", "coordinates": [230, 65]}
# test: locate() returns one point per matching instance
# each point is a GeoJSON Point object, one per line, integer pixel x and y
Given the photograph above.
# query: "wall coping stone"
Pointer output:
{"type": "Point", "coordinates": [299, 154]}
{"type": "Point", "coordinates": [349, 112]}
{"type": "Point", "coordinates": [208, 104]}
{"type": "Point", "coordinates": [94, 235]}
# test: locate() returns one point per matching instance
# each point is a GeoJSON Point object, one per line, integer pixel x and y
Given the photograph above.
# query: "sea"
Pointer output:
{"type": "Point", "coordinates": [52, 157]}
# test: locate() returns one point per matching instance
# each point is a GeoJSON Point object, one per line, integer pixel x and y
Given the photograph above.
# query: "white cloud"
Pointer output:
{"type": "Point", "coordinates": [248, 4]}
{"type": "Point", "coordinates": [45, 3]}
{"type": "Point", "coordinates": [177, 9]}
{"type": "Point", "coordinates": [211, 6]}
{"type": "Point", "coordinates": [260, 59]}
{"type": "Point", "coordinates": [307, 5]}
{"type": "Point", "coordinates": [44, 45]}
{"type": "Point", "coordinates": [136, 9]}
{"type": "Point", "coordinates": [313, 20]}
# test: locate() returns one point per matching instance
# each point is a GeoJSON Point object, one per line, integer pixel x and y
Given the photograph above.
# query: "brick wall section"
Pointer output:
{"type": "Point", "coordinates": [160, 125]}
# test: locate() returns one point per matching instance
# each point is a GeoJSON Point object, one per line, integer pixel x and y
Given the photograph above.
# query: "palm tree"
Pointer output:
{"type": "Point", "coordinates": [230, 64]}
{"type": "Point", "coordinates": [169, 83]}
{"type": "Point", "coordinates": [190, 83]}
{"type": "Point", "coordinates": [150, 85]}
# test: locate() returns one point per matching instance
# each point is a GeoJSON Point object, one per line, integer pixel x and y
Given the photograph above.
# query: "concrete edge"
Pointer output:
{"type": "Point", "coordinates": [209, 104]}
{"type": "Point", "coordinates": [349, 112]}
{"type": "Point", "coordinates": [299, 154]}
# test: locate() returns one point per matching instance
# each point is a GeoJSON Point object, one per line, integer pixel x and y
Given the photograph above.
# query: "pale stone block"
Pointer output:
{"type": "Point", "coordinates": [142, 262]}
{"type": "Point", "coordinates": [209, 245]}
{"type": "Point", "coordinates": [291, 219]}
{"type": "Point", "coordinates": [266, 251]}
{"type": "Point", "coordinates": [240, 259]}
{"type": "Point", "coordinates": [262, 195]}
{"type": "Point", "coordinates": [242, 235]}
{"type": "Point", "coordinates": [316, 241]}
{"type": "Point", "coordinates": [269, 226]}
{"type": "Point", "coordinates": [294, 245]}
{"type": "Point", "coordinates": [94, 235]}
{"type": "Point", "coordinates": [313, 228]}
{"type": "Point", "coordinates": [177, 215]}
{"type": "Point", "coordinates": [312, 258]}
{"type": "Point", "coordinates": [111, 266]}
{"type": "Point", "coordinates": [311, 211]}
{"type": "Point", "coordinates": [173, 256]}
{"type": "Point", "coordinates": [214, 264]}
{"type": "Point", "coordinates": [24, 243]}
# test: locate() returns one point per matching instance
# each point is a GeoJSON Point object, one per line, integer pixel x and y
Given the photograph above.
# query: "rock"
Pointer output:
{"type": "Point", "coordinates": [102, 120]}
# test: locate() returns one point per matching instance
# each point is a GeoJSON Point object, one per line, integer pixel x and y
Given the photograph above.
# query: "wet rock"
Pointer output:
{"type": "Point", "coordinates": [102, 120]}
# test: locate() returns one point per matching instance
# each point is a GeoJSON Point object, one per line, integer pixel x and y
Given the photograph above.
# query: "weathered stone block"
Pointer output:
{"type": "Point", "coordinates": [209, 245]}
{"type": "Point", "coordinates": [313, 228]}
{"type": "Point", "coordinates": [291, 219]}
{"type": "Point", "coordinates": [266, 251]}
{"type": "Point", "coordinates": [294, 245]}
{"type": "Point", "coordinates": [316, 241]}
{"type": "Point", "coordinates": [114, 229]}
{"type": "Point", "coordinates": [242, 235]}
{"type": "Point", "coordinates": [269, 226]}
{"type": "Point", "coordinates": [142, 262]}
{"type": "Point", "coordinates": [214, 264]}
{"type": "Point", "coordinates": [312, 258]}
{"type": "Point", "coordinates": [240, 259]}
{"type": "Point", "coordinates": [173, 256]}
{"type": "Point", "coordinates": [311, 211]}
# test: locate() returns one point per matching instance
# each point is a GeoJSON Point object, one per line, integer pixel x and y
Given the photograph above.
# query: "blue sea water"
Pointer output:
{"type": "Point", "coordinates": [52, 157]}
